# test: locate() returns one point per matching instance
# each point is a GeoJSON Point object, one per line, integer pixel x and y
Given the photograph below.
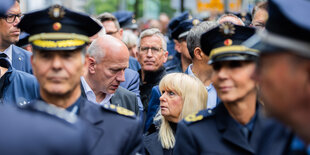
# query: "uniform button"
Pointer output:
{"type": "Point", "coordinates": [210, 111]}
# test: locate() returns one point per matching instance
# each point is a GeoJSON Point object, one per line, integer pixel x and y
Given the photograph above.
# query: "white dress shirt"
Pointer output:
{"type": "Point", "coordinates": [91, 95]}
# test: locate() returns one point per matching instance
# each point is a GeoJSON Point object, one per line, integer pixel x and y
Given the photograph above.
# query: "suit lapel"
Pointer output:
{"type": "Point", "coordinates": [230, 131]}
{"type": "Point", "coordinates": [116, 99]}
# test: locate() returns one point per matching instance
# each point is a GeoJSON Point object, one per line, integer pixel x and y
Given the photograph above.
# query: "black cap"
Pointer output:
{"type": "Point", "coordinates": [23, 39]}
{"type": "Point", "coordinates": [174, 22]}
{"type": "Point", "coordinates": [287, 28]}
{"type": "Point", "coordinates": [126, 19]}
{"type": "Point", "coordinates": [57, 28]}
{"type": "Point", "coordinates": [5, 5]}
{"type": "Point", "coordinates": [223, 43]}
{"type": "Point", "coordinates": [182, 29]}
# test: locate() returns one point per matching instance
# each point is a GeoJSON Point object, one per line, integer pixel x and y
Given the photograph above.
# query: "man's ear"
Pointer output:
{"type": "Point", "coordinates": [121, 32]}
{"type": "Point", "coordinates": [177, 46]}
{"type": "Point", "coordinates": [166, 56]}
{"type": "Point", "coordinates": [91, 62]}
{"type": "Point", "coordinates": [198, 54]}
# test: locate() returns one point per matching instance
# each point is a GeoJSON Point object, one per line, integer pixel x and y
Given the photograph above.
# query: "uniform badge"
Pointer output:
{"type": "Point", "coordinates": [56, 26]}
{"type": "Point", "coordinates": [124, 111]}
{"type": "Point", "coordinates": [193, 118]}
{"type": "Point", "coordinates": [227, 29]}
{"type": "Point", "coordinates": [56, 12]}
{"type": "Point", "coordinates": [228, 42]}
{"type": "Point", "coordinates": [195, 22]}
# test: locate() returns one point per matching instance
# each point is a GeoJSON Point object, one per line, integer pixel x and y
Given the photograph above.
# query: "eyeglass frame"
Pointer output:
{"type": "Point", "coordinates": [20, 15]}
{"type": "Point", "coordinates": [154, 50]}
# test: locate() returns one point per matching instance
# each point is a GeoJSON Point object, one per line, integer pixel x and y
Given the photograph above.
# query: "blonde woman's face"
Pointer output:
{"type": "Point", "coordinates": [171, 105]}
{"type": "Point", "coordinates": [233, 80]}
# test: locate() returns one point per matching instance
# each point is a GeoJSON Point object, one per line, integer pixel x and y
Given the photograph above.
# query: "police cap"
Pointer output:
{"type": "Point", "coordinates": [222, 43]}
{"type": "Point", "coordinates": [126, 19]}
{"type": "Point", "coordinates": [182, 29]}
{"type": "Point", "coordinates": [57, 28]}
{"type": "Point", "coordinates": [174, 22]}
{"type": "Point", "coordinates": [287, 28]}
{"type": "Point", "coordinates": [5, 5]}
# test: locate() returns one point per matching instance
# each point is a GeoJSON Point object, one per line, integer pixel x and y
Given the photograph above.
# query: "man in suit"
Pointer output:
{"type": "Point", "coordinates": [59, 39]}
{"type": "Point", "coordinates": [9, 35]}
{"type": "Point", "coordinates": [132, 81]}
{"type": "Point", "coordinates": [107, 60]}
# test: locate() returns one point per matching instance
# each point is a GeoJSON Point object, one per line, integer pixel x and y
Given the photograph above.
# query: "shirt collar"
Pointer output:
{"type": "Point", "coordinates": [190, 72]}
{"type": "Point", "coordinates": [91, 95]}
{"type": "Point", "coordinates": [9, 52]}
{"type": "Point", "coordinates": [85, 86]}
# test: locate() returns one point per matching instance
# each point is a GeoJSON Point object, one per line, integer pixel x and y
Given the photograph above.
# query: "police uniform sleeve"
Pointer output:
{"type": "Point", "coordinates": [185, 143]}
{"type": "Point", "coordinates": [134, 145]}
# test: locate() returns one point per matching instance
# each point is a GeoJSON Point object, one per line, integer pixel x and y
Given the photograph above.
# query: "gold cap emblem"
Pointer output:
{"type": "Point", "coordinates": [227, 29]}
{"type": "Point", "coordinates": [56, 12]}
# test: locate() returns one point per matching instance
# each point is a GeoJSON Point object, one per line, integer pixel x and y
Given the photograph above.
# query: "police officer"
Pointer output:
{"type": "Point", "coordinates": [36, 131]}
{"type": "Point", "coordinates": [59, 37]}
{"type": "Point", "coordinates": [283, 74]}
{"type": "Point", "coordinates": [235, 125]}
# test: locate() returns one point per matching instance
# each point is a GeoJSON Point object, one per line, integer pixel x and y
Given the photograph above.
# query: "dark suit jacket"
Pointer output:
{"type": "Point", "coordinates": [118, 134]}
{"type": "Point", "coordinates": [126, 99]}
{"type": "Point", "coordinates": [21, 59]}
{"type": "Point", "coordinates": [215, 132]}
{"type": "Point", "coordinates": [153, 146]}
{"type": "Point", "coordinates": [131, 83]}
{"type": "Point", "coordinates": [122, 98]}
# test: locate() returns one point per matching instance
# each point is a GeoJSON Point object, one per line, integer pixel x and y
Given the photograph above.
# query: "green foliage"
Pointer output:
{"type": "Point", "coordinates": [98, 6]}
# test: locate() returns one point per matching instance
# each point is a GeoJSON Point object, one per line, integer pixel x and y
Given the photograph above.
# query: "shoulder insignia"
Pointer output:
{"type": "Point", "coordinates": [119, 110]}
{"type": "Point", "coordinates": [195, 117]}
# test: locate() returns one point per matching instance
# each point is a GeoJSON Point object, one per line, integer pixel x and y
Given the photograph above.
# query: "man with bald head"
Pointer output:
{"type": "Point", "coordinates": [108, 58]}
{"type": "Point", "coordinates": [230, 18]}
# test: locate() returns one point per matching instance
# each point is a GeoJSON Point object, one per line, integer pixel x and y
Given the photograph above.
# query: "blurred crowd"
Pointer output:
{"type": "Point", "coordinates": [233, 83]}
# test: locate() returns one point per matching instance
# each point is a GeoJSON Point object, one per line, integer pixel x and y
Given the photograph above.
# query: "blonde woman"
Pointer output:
{"type": "Point", "coordinates": [182, 95]}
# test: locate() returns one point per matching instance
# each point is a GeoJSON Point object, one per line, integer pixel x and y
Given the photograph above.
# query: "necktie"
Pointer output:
{"type": "Point", "coordinates": [3, 55]}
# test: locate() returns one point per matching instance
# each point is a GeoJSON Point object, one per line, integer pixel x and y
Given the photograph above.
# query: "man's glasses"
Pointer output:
{"type": "Point", "coordinates": [10, 18]}
{"type": "Point", "coordinates": [154, 50]}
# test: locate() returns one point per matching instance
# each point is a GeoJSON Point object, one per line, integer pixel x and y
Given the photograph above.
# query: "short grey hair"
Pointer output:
{"type": "Point", "coordinates": [95, 51]}
{"type": "Point", "coordinates": [230, 15]}
{"type": "Point", "coordinates": [153, 32]}
{"type": "Point", "coordinates": [106, 16]}
{"type": "Point", "coordinates": [129, 38]}
{"type": "Point", "coordinates": [194, 35]}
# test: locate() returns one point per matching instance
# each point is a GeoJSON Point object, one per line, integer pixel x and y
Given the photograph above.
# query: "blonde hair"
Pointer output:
{"type": "Point", "coordinates": [194, 96]}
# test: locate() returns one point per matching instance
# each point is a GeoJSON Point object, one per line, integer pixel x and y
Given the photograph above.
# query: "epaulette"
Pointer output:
{"type": "Point", "coordinates": [52, 110]}
{"type": "Point", "coordinates": [119, 110]}
{"type": "Point", "coordinates": [195, 117]}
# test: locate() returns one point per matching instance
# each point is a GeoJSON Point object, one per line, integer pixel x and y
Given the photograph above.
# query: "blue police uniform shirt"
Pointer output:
{"type": "Point", "coordinates": [212, 95]}
{"type": "Point", "coordinates": [18, 87]}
